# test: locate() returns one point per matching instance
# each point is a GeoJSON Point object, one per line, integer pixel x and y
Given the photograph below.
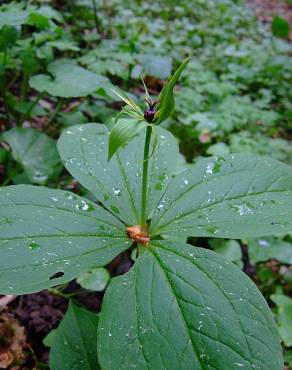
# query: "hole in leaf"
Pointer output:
{"type": "Point", "coordinates": [57, 275]}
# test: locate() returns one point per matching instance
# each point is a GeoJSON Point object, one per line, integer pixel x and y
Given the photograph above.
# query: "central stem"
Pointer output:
{"type": "Point", "coordinates": [145, 176]}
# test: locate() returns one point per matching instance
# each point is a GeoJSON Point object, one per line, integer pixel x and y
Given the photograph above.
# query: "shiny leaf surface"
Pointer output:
{"type": "Point", "coordinates": [48, 237]}
{"type": "Point", "coordinates": [117, 183]}
{"type": "Point", "coordinates": [235, 196]}
{"type": "Point", "coordinates": [123, 131]}
{"type": "Point", "coordinates": [190, 309]}
{"type": "Point", "coordinates": [74, 341]}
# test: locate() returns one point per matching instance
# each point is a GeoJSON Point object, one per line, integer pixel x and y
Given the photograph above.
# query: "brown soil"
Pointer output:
{"type": "Point", "coordinates": [41, 312]}
{"type": "Point", "coordinates": [265, 10]}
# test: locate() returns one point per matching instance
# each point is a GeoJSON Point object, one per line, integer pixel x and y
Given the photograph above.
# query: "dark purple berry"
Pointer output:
{"type": "Point", "coordinates": [149, 115]}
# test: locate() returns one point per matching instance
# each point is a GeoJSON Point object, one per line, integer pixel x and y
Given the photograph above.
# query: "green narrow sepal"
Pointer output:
{"type": "Point", "coordinates": [166, 99]}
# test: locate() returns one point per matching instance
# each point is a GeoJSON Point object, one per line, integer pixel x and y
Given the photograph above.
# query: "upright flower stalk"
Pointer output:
{"type": "Point", "coordinates": [129, 122]}
{"type": "Point", "coordinates": [145, 177]}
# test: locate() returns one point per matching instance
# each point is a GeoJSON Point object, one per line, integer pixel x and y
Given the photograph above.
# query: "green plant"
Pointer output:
{"type": "Point", "coordinates": [280, 27]}
{"type": "Point", "coordinates": [20, 53]}
{"type": "Point", "coordinates": [179, 307]}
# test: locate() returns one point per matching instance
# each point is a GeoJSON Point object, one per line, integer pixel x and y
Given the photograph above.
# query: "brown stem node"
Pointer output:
{"type": "Point", "coordinates": [139, 234]}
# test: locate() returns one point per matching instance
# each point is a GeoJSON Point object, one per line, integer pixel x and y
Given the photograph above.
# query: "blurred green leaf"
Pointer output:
{"type": "Point", "coordinates": [12, 16]}
{"type": "Point", "coordinates": [284, 317]}
{"type": "Point", "coordinates": [35, 151]}
{"type": "Point", "coordinates": [280, 27]}
{"type": "Point", "coordinates": [16, 15]}
{"type": "Point", "coordinates": [229, 249]}
{"type": "Point", "coordinates": [29, 61]}
{"type": "Point", "coordinates": [72, 118]}
{"type": "Point", "coordinates": [264, 249]}
{"type": "Point", "coordinates": [288, 354]}
{"type": "Point", "coordinates": [69, 80]}
{"type": "Point", "coordinates": [8, 36]}
{"type": "Point", "coordinates": [3, 155]}
{"type": "Point", "coordinates": [152, 65]}
{"type": "Point", "coordinates": [38, 20]}
{"type": "Point", "coordinates": [219, 149]}
{"type": "Point", "coordinates": [24, 106]}
{"type": "Point", "coordinates": [64, 45]}
{"type": "Point", "coordinates": [95, 279]}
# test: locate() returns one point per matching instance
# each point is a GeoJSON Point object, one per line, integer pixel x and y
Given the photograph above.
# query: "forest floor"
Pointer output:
{"type": "Point", "coordinates": [265, 10]}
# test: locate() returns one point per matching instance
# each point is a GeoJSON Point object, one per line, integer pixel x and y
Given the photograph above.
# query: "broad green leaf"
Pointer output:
{"type": "Point", "coordinates": [123, 131]}
{"type": "Point", "coordinates": [49, 237]}
{"type": "Point", "coordinates": [280, 27]}
{"type": "Point", "coordinates": [69, 80]}
{"type": "Point", "coordinates": [166, 99]}
{"type": "Point", "coordinates": [74, 342]}
{"type": "Point", "coordinates": [237, 196]}
{"type": "Point", "coordinates": [264, 249]}
{"type": "Point", "coordinates": [182, 307]}
{"type": "Point", "coordinates": [95, 279]}
{"type": "Point", "coordinates": [284, 317]}
{"type": "Point", "coordinates": [35, 151]}
{"type": "Point", "coordinates": [117, 183]}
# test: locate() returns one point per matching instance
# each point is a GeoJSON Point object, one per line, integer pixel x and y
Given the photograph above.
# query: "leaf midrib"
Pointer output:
{"type": "Point", "coordinates": [67, 236]}
{"type": "Point", "coordinates": [66, 210]}
{"type": "Point", "coordinates": [204, 180]}
{"type": "Point", "coordinates": [131, 200]}
{"type": "Point", "coordinates": [180, 310]}
{"type": "Point", "coordinates": [82, 341]}
{"type": "Point", "coordinates": [157, 259]}
{"type": "Point", "coordinates": [161, 227]}
{"type": "Point", "coordinates": [162, 246]}
{"type": "Point", "coordinates": [60, 260]}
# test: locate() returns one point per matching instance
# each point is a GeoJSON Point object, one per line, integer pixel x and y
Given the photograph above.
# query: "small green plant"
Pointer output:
{"type": "Point", "coordinates": [179, 307]}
